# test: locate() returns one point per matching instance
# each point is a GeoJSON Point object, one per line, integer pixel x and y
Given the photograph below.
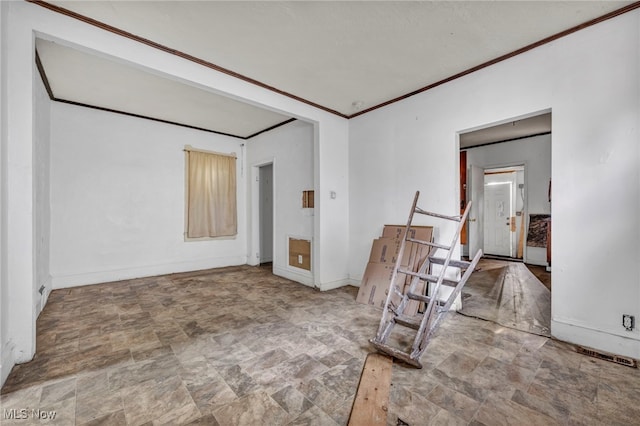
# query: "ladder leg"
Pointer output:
{"type": "Point", "coordinates": [386, 318]}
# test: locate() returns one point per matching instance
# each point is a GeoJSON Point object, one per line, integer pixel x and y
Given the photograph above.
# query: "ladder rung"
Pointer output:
{"type": "Point", "coordinates": [428, 277]}
{"type": "Point", "coordinates": [402, 356]}
{"type": "Point", "coordinates": [411, 322]}
{"type": "Point", "coordinates": [455, 263]}
{"type": "Point", "coordinates": [425, 299]}
{"type": "Point", "coordinates": [392, 309]}
{"type": "Point", "coordinates": [419, 297]}
{"type": "Point", "coordinates": [429, 243]}
{"type": "Point", "coordinates": [441, 216]}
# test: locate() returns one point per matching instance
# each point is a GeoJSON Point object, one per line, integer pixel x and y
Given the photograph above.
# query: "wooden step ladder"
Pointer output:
{"type": "Point", "coordinates": [426, 323]}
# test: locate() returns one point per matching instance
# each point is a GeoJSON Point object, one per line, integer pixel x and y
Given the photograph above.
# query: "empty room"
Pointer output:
{"type": "Point", "coordinates": [206, 212]}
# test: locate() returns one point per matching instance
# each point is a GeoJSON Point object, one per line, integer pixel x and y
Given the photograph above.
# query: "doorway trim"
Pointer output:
{"type": "Point", "coordinates": [253, 256]}
{"type": "Point", "coordinates": [513, 166]}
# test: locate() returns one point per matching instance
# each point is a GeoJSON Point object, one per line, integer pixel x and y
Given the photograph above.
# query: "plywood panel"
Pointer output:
{"type": "Point", "coordinates": [300, 253]}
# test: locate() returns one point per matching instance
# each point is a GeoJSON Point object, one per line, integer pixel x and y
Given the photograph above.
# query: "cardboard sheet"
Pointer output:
{"type": "Point", "coordinates": [384, 253]}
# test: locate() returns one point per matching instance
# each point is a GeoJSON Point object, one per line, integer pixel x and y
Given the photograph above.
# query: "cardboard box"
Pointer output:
{"type": "Point", "coordinates": [375, 284]}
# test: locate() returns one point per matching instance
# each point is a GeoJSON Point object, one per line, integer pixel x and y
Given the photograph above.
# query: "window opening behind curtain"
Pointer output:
{"type": "Point", "coordinates": [211, 195]}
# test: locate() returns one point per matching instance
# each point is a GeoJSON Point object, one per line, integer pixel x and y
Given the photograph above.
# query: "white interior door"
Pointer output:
{"type": "Point", "coordinates": [475, 187]}
{"type": "Point", "coordinates": [497, 218]}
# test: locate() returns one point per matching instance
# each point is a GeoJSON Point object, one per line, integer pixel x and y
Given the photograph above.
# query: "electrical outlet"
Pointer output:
{"type": "Point", "coordinates": [628, 322]}
{"type": "Point", "coordinates": [300, 259]}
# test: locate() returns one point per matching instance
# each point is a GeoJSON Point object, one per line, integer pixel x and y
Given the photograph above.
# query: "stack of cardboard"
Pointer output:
{"type": "Point", "coordinates": [384, 252]}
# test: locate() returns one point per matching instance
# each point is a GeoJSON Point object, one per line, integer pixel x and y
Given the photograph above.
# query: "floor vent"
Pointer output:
{"type": "Point", "coordinates": [629, 362]}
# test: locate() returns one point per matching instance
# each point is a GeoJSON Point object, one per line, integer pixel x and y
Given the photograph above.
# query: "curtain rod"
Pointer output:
{"type": "Point", "coordinates": [189, 148]}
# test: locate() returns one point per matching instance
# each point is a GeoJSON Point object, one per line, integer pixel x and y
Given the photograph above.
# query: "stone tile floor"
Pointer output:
{"type": "Point", "coordinates": [239, 346]}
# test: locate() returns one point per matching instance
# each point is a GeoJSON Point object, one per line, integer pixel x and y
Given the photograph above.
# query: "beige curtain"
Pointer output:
{"type": "Point", "coordinates": [212, 195]}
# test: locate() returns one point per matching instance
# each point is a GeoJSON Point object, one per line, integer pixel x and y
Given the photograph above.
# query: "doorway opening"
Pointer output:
{"type": "Point", "coordinates": [505, 171]}
{"type": "Point", "coordinates": [265, 208]}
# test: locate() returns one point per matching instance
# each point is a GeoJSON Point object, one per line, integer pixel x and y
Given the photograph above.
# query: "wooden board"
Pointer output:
{"type": "Point", "coordinates": [520, 253]}
{"type": "Point", "coordinates": [372, 400]}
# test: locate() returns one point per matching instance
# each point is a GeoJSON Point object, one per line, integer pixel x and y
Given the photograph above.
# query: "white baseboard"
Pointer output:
{"type": "Point", "coordinates": [596, 339]}
{"type": "Point", "coordinates": [306, 278]}
{"type": "Point", "coordinates": [290, 274]}
{"type": "Point", "coordinates": [44, 297]}
{"type": "Point", "coordinates": [76, 280]}
{"type": "Point", "coordinates": [354, 283]}
{"type": "Point", "coordinates": [7, 361]}
{"type": "Point", "coordinates": [335, 284]}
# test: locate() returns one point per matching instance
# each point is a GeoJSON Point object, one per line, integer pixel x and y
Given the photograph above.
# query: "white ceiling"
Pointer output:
{"type": "Point", "coordinates": [91, 80]}
{"type": "Point", "coordinates": [344, 56]}
{"type": "Point", "coordinates": [515, 129]}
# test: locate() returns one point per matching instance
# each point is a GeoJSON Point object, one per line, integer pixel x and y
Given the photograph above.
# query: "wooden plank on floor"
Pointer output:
{"type": "Point", "coordinates": [372, 399]}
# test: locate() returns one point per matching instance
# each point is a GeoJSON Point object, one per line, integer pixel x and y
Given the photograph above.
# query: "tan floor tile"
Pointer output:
{"type": "Point", "coordinates": [94, 406]}
{"type": "Point", "coordinates": [57, 392]}
{"type": "Point", "coordinates": [454, 402]}
{"type": "Point", "coordinates": [446, 418]}
{"type": "Point", "coordinates": [313, 417]}
{"type": "Point", "coordinates": [553, 377]}
{"type": "Point", "coordinates": [412, 408]}
{"type": "Point", "coordinates": [292, 401]}
{"type": "Point", "coordinates": [498, 411]}
{"type": "Point", "coordinates": [212, 394]}
{"type": "Point", "coordinates": [552, 407]}
{"type": "Point", "coordinates": [459, 365]}
{"type": "Point", "coordinates": [252, 409]}
{"type": "Point", "coordinates": [500, 377]}
{"type": "Point", "coordinates": [112, 419]}
{"type": "Point", "coordinates": [163, 401]}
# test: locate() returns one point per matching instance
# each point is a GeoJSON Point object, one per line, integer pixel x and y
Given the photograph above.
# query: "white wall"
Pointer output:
{"type": "Point", "coordinates": [290, 149]}
{"type": "Point", "coordinates": [18, 251]}
{"type": "Point", "coordinates": [590, 80]}
{"type": "Point", "coordinates": [118, 198]}
{"type": "Point", "coordinates": [42, 160]}
{"type": "Point", "coordinates": [21, 22]}
{"type": "Point", "coordinates": [535, 154]}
